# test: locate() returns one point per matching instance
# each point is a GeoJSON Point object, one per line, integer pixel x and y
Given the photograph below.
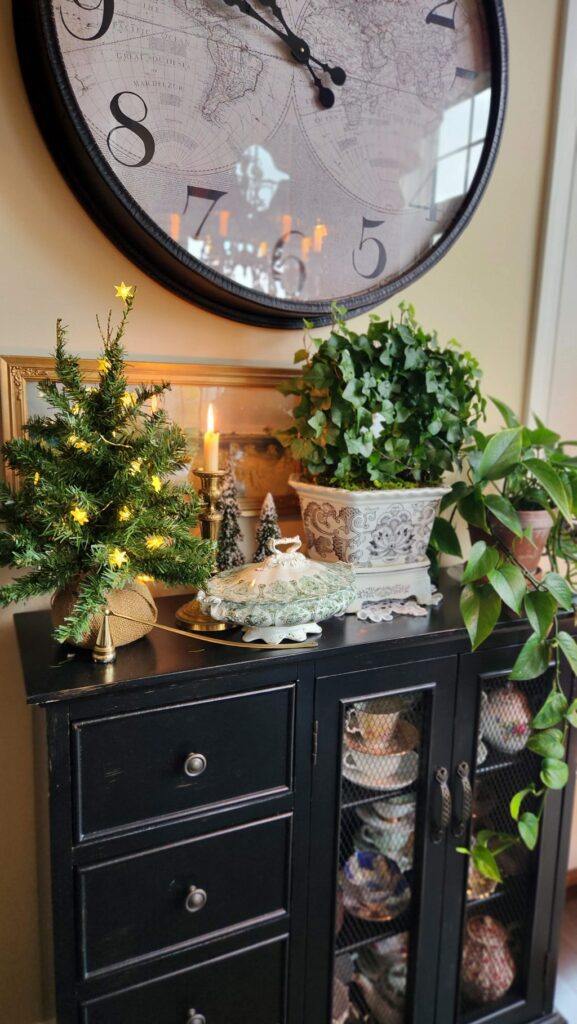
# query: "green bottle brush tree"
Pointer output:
{"type": "Point", "coordinates": [95, 506]}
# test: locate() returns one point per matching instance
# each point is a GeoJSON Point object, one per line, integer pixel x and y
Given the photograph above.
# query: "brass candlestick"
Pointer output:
{"type": "Point", "coordinates": [190, 615]}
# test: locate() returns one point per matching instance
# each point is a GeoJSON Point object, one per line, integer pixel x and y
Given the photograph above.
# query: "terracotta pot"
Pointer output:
{"type": "Point", "coordinates": [134, 599]}
{"type": "Point", "coordinates": [527, 551]}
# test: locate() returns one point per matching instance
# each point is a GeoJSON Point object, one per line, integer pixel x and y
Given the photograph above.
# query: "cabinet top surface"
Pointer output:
{"type": "Point", "coordinates": [53, 672]}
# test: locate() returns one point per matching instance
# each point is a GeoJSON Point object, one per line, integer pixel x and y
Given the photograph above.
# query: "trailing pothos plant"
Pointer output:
{"type": "Point", "coordinates": [515, 468]}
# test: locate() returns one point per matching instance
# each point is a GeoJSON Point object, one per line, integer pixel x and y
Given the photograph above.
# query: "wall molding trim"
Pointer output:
{"type": "Point", "coordinates": [562, 170]}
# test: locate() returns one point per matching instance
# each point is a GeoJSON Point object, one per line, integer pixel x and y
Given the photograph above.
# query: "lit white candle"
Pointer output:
{"type": "Point", "coordinates": [211, 442]}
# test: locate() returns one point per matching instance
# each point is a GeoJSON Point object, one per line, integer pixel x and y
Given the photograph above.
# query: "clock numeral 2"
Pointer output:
{"type": "Point", "coordinates": [135, 126]}
{"type": "Point", "coordinates": [197, 192]}
{"type": "Point", "coordinates": [445, 20]}
{"type": "Point", "coordinates": [380, 251]}
{"type": "Point", "coordinates": [107, 16]}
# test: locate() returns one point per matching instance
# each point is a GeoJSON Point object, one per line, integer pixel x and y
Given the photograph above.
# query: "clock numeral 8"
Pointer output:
{"type": "Point", "coordinates": [381, 252]}
{"type": "Point", "coordinates": [133, 125]}
{"type": "Point", "coordinates": [280, 261]}
{"type": "Point", "coordinates": [107, 16]}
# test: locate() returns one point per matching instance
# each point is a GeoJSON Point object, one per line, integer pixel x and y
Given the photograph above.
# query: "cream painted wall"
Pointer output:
{"type": "Point", "coordinates": [55, 262]}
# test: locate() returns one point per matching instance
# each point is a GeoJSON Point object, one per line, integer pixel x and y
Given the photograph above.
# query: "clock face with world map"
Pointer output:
{"type": "Point", "coordinates": [265, 159]}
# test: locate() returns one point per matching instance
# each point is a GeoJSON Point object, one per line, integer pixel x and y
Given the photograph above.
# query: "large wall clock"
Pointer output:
{"type": "Point", "coordinates": [264, 159]}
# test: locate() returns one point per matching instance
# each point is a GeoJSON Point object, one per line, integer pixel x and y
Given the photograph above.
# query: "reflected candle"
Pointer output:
{"type": "Point", "coordinates": [211, 442]}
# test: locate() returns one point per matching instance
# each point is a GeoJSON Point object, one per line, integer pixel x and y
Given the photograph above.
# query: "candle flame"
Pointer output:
{"type": "Point", "coordinates": [320, 234]}
{"type": "Point", "coordinates": [210, 419]}
{"type": "Point", "coordinates": [175, 226]}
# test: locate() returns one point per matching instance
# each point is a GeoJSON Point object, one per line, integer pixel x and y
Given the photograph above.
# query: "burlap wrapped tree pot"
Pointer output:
{"type": "Point", "coordinates": [134, 599]}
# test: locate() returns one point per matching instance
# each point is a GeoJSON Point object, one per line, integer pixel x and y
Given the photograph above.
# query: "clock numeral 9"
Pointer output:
{"type": "Point", "coordinates": [379, 250]}
{"type": "Point", "coordinates": [132, 125]}
{"type": "Point", "coordinates": [446, 20]}
{"type": "Point", "coordinates": [282, 262]}
{"type": "Point", "coordinates": [107, 16]}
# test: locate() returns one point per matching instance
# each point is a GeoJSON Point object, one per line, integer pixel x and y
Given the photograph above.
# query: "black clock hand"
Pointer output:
{"type": "Point", "coordinates": [337, 74]}
{"type": "Point", "coordinates": [298, 47]}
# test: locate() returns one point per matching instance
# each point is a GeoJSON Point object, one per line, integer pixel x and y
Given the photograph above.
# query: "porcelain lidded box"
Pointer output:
{"type": "Point", "coordinates": [282, 598]}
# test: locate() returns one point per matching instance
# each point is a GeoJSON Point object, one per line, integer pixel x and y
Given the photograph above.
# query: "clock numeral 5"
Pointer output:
{"type": "Point", "coordinates": [380, 251]}
{"type": "Point", "coordinates": [445, 20]}
{"type": "Point", "coordinates": [280, 262]}
{"type": "Point", "coordinates": [197, 192]}
{"type": "Point", "coordinates": [132, 125]}
{"type": "Point", "coordinates": [107, 16]}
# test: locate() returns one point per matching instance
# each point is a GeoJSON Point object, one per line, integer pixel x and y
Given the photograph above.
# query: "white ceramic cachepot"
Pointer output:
{"type": "Point", "coordinates": [383, 534]}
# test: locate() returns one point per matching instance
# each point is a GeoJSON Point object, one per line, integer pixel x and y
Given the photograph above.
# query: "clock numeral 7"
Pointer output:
{"type": "Point", "coordinates": [444, 20]}
{"type": "Point", "coordinates": [107, 16]}
{"type": "Point", "coordinates": [132, 125]}
{"type": "Point", "coordinates": [197, 192]}
{"type": "Point", "coordinates": [380, 251]}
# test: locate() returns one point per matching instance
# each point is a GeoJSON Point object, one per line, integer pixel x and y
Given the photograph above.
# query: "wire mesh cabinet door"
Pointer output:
{"type": "Point", "coordinates": [506, 932]}
{"type": "Point", "coordinates": [381, 811]}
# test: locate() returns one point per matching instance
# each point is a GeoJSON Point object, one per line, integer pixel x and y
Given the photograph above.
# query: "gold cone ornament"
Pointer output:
{"type": "Point", "coordinates": [104, 651]}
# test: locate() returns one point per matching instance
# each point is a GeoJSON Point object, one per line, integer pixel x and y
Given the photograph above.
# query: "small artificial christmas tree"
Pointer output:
{"type": "Point", "coordinates": [95, 509]}
{"type": "Point", "coordinates": [229, 554]}
{"type": "Point", "coordinates": [267, 529]}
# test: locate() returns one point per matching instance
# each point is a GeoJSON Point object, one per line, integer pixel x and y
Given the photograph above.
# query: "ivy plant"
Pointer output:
{"type": "Point", "coordinates": [385, 408]}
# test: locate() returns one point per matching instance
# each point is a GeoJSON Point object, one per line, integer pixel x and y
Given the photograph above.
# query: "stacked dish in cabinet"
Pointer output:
{"type": "Point", "coordinates": [494, 965]}
{"type": "Point", "coordinates": [380, 768]}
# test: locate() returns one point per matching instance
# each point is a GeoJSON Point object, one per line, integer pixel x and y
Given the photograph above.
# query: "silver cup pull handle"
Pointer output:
{"type": "Point", "coordinates": [195, 899]}
{"type": "Point", "coordinates": [194, 765]}
{"type": "Point", "coordinates": [195, 1018]}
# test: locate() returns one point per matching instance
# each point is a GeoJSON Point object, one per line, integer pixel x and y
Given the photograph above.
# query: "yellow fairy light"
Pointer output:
{"type": "Point", "coordinates": [104, 364]}
{"type": "Point", "coordinates": [135, 466]}
{"type": "Point", "coordinates": [143, 577]}
{"type": "Point", "coordinates": [117, 558]}
{"type": "Point", "coordinates": [128, 399]}
{"type": "Point", "coordinates": [155, 541]}
{"type": "Point", "coordinates": [124, 514]}
{"type": "Point", "coordinates": [156, 482]}
{"type": "Point", "coordinates": [71, 439]}
{"type": "Point", "coordinates": [36, 478]}
{"type": "Point", "coordinates": [75, 409]}
{"type": "Point", "coordinates": [124, 291]}
{"type": "Point", "coordinates": [83, 446]}
{"type": "Point", "coordinates": [79, 515]}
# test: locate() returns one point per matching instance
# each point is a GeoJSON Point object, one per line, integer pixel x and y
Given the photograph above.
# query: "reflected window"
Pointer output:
{"type": "Point", "coordinates": [461, 137]}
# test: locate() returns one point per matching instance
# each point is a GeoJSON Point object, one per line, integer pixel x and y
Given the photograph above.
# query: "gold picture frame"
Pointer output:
{"type": "Point", "coordinates": [249, 409]}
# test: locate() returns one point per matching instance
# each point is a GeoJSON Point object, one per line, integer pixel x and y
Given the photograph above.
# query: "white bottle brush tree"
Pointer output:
{"type": "Point", "coordinates": [229, 553]}
{"type": "Point", "coordinates": [268, 528]}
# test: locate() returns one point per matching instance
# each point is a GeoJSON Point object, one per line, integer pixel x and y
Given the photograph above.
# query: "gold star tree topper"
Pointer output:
{"type": "Point", "coordinates": [124, 291]}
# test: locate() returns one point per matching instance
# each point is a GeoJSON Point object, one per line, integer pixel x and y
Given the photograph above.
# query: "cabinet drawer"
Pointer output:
{"type": "Point", "coordinates": [140, 905]}
{"type": "Point", "coordinates": [132, 768]}
{"type": "Point", "coordinates": [238, 989]}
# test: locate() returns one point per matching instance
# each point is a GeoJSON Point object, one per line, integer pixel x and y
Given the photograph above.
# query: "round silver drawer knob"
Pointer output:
{"type": "Point", "coordinates": [195, 1018]}
{"type": "Point", "coordinates": [194, 765]}
{"type": "Point", "coordinates": [195, 899]}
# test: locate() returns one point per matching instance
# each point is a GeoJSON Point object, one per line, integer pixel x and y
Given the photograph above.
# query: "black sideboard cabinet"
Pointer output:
{"type": "Point", "coordinates": [207, 806]}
